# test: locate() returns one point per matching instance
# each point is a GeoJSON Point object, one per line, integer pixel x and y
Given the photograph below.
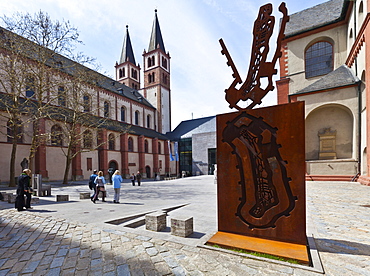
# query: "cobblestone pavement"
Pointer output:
{"type": "Point", "coordinates": [49, 241]}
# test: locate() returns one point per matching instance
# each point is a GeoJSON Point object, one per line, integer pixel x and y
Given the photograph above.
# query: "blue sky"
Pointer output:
{"type": "Point", "coordinates": [190, 29]}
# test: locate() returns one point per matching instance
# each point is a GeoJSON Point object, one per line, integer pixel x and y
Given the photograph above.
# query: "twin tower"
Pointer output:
{"type": "Point", "coordinates": [156, 62]}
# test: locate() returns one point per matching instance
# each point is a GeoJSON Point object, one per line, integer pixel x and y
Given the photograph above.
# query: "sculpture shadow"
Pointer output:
{"type": "Point", "coordinates": [342, 247]}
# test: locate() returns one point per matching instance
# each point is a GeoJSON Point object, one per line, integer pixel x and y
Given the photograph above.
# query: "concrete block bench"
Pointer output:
{"type": "Point", "coordinates": [182, 226]}
{"type": "Point", "coordinates": [85, 195]}
{"type": "Point", "coordinates": [45, 190]}
{"type": "Point", "coordinates": [5, 196]}
{"type": "Point", "coordinates": [155, 221]}
{"type": "Point", "coordinates": [35, 200]}
{"type": "Point", "coordinates": [62, 197]}
{"type": "Point", "coordinates": [11, 198]}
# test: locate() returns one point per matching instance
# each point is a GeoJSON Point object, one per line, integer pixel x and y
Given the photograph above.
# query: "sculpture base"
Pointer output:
{"type": "Point", "coordinates": [281, 249]}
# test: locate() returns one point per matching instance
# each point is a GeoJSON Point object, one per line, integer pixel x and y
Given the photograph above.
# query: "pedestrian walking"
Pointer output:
{"type": "Point", "coordinates": [138, 178]}
{"type": "Point", "coordinates": [100, 182]}
{"type": "Point", "coordinates": [116, 179]}
{"type": "Point", "coordinates": [133, 179]}
{"type": "Point", "coordinates": [92, 185]}
{"type": "Point", "coordinates": [24, 189]}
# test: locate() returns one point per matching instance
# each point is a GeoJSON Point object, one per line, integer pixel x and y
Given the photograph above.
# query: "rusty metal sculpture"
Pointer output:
{"type": "Point", "coordinates": [260, 155]}
{"type": "Point", "coordinates": [251, 89]}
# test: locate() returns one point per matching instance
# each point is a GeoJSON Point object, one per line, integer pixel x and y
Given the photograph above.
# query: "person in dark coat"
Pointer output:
{"type": "Point", "coordinates": [92, 185]}
{"type": "Point", "coordinates": [24, 189]}
{"type": "Point", "coordinates": [138, 178]}
{"type": "Point", "coordinates": [133, 178]}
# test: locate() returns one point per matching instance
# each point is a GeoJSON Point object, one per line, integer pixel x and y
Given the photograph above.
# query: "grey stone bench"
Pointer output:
{"type": "Point", "coordinates": [182, 226]}
{"type": "Point", "coordinates": [45, 190]}
{"type": "Point", "coordinates": [5, 196]}
{"type": "Point", "coordinates": [85, 195]}
{"type": "Point", "coordinates": [62, 197]}
{"type": "Point", "coordinates": [155, 221]}
{"type": "Point", "coordinates": [11, 198]}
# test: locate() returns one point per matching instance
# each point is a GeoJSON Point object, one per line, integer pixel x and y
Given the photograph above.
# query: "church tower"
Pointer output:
{"type": "Point", "coordinates": [127, 72]}
{"type": "Point", "coordinates": [157, 78]}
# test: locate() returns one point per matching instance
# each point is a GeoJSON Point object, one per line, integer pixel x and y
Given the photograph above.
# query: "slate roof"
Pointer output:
{"type": "Point", "coordinates": [317, 16]}
{"type": "Point", "coordinates": [342, 76]}
{"type": "Point", "coordinates": [127, 53]}
{"type": "Point", "coordinates": [187, 126]}
{"type": "Point", "coordinates": [156, 36]}
{"type": "Point", "coordinates": [68, 66]}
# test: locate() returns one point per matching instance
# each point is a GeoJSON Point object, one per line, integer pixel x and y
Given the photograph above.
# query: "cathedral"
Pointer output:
{"type": "Point", "coordinates": [130, 117]}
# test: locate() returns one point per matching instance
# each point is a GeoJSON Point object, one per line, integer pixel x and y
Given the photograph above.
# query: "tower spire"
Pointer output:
{"type": "Point", "coordinates": [156, 39]}
{"type": "Point", "coordinates": [127, 53]}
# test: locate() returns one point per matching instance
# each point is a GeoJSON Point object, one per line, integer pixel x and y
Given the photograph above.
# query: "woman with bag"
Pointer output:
{"type": "Point", "coordinates": [99, 181]}
{"type": "Point", "coordinates": [116, 179]}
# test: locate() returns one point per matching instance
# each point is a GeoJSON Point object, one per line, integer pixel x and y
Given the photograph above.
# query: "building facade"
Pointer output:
{"type": "Point", "coordinates": [124, 126]}
{"type": "Point", "coordinates": [325, 64]}
{"type": "Point", "coordinates": [196, 145]}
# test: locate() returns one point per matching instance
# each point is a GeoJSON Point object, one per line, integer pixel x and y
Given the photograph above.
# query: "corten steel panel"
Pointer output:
{"type": "Point", "coordinates": [261, 173]}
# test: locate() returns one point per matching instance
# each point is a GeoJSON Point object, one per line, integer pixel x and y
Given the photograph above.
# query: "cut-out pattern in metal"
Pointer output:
{"type": "Point", "coordinates": [269, 197]}
{"type": "Point", "coordinates": [252, 89]}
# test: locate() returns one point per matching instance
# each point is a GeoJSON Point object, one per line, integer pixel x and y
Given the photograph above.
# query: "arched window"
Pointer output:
{"type": "Point", "coordinates": [121, 72]}
{"type": "Point", "coordinates": [164, 62]}
{"type": "Point", "coordinates": [164, 77]}
{"type": "Point", "coordinates": [56, 136]}
{"type": "Point", "coordinates": [87, 139]}
{"type": "Point", "coordinates": [153, 77]}
{"type": "Point", "coordinates": [133, 73]}
{"type": "Point", "coordinates": [146, 146]}
{"type": "Point", "coordinates": [159, 148]}
{"type": "Point", "coordinates": [361, 12]}
{"type": "Point", "coordinates": [130, 144]}
{"type": "Point", "coordinates": [319, 59]}
{"type": "Point", "coordinates": [123, 114]}
{"type": "Point", "coordinates": [111, 142]}
{"type": "Point", "coordinates": [106, 109]}
{"type": "Point", "coordinates": [153, 61]}
{"type": "Point", "coordinates": [61, 96]}
{"type": "Point", "coordinates": [86, 103]}
{"type": "Point", "coordinates": [30, 87]}
{"type": "Point", "coordinates": [14, 131]}
{"type": "Point", "coordinates": [137, 113]}
{"type": "Point", "coordinates": [149, 62]}
{"type": "Point", "coordinates": [148, 119]}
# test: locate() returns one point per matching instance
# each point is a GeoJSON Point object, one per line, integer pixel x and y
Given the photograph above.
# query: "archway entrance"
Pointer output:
{"type": "Point", "coordinates": [111, 169]}
{"type": "Point", "coordinates": [147, 170]}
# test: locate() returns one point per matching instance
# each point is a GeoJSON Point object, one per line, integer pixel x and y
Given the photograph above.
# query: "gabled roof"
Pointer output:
{"type": "Point", "coordinates": [127, 53]}
{"type": "Point", "coordinates": [317, 16]}
{"type": "Point", "coordinates": [186, 128]}
{"type": "Point", "coordinates": [156, 39]}
{"type": "Point", "coordinates": [340, 77]}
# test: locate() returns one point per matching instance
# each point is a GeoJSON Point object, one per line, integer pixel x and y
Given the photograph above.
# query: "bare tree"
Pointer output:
{"type": "Point", "coordinates": [31, 62]}
{"type": "Point", "coordinates": [78, 116]}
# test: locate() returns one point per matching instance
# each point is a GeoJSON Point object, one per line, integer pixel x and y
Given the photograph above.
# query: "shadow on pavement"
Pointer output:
{"type": "Point", "coordinates": [343, 247]}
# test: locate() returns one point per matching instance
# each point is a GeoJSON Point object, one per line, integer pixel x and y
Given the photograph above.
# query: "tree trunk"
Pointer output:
{"type": "Point", "coordinates": [68, 165]}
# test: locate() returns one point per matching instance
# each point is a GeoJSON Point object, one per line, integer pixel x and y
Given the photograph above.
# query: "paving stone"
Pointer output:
{"type": "Point", "coordinates": [57, 262]}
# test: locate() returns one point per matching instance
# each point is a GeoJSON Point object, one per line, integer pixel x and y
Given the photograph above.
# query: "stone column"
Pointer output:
{"type": "Point", "coordinates": [77, 173]}
{"type": "Point", "coordinates": [103, 150]}
{"type": "Point", "coordinates": [124, 155]}
{"type": "Point", "coordinates": [40, 155]}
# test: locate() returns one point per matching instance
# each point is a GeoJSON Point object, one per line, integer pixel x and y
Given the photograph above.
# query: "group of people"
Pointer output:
{"type": "Point", "coordinates": [97, 182]}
